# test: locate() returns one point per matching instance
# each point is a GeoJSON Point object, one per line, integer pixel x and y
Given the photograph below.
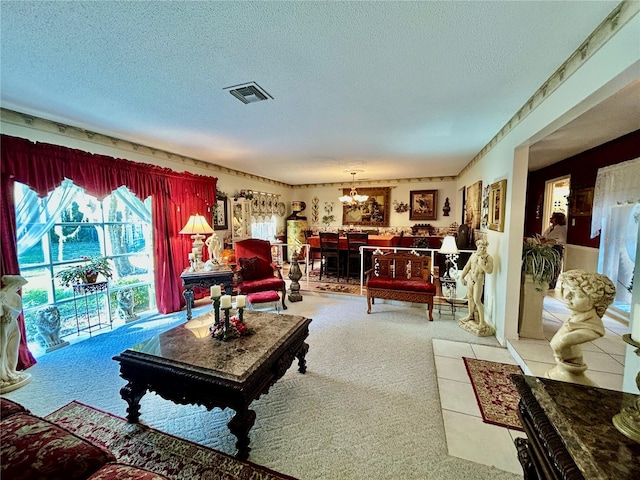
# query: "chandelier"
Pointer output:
{"type": "Point", "coordinates": [353, 198]}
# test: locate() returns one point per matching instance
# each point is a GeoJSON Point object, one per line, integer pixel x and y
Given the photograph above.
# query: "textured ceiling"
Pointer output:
{"type": "Point", "coordinates": [397, 89]}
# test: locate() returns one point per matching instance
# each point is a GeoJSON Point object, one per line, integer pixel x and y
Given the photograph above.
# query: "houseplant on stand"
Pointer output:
{"type": "Point", "coordinates": [85, 272]}
{"type": "Point", "coordinates": [540, 265]}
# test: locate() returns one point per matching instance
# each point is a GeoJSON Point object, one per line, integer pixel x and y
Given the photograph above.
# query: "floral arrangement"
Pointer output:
{"type": "Point", "coordinates": [236, 329]}
{"type": "Point", "coordinates": [400, 207]}
{"type": "Point", "coordinates": [86, 272]}
{"type": "Point", "coordinates": [327, 219]}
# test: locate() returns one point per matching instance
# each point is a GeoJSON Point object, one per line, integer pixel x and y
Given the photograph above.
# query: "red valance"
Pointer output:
{"type": "Point", "coordinates": [175, 196]}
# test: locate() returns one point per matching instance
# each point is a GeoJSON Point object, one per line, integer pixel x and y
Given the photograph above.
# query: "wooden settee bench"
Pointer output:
{"type": "Point", "coordinates": [400, 276]}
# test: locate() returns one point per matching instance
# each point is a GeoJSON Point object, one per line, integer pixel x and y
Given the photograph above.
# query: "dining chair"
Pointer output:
{"type": "Point", "coordinates": [354, 242]}
{"type": "Point", "coordinates": [314, 253]}
{"type": "Point", "coordinates": [329, 250]}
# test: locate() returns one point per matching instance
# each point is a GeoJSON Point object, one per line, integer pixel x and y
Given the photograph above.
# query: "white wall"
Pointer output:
{"type": "Point", "coordinates": [400, 192]}
{"type": "Point", "coordinates": [614, 65]}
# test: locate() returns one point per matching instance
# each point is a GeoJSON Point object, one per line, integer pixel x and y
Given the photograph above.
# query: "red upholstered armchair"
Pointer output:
{"type": "Point", "coordinates": [256, 272]}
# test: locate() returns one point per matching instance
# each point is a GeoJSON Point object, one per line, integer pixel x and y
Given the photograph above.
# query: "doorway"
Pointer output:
{"type": "Point", "coordinates": [556, 195]}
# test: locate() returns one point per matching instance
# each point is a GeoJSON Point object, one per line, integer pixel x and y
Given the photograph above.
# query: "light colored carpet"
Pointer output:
{"type": "Point", "coordinates": [367, 408]}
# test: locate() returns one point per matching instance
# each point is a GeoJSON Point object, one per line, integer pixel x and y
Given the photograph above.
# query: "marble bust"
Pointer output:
{"type": "Point", "coordinates": [587, 295]}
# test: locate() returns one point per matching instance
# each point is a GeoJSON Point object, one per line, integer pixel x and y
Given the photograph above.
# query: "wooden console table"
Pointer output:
{"type": "Point", "coordinates": [205, 280]}
{"type": "Point", "coordinates": [570, 435]}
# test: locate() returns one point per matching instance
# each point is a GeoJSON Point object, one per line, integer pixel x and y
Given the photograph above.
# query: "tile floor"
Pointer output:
{"type": "Point", "coordinates": [467, 436]}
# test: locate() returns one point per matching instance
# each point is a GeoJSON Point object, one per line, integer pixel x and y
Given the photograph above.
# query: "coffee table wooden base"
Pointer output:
{"type": "Point", "coordinates": [190, 384]}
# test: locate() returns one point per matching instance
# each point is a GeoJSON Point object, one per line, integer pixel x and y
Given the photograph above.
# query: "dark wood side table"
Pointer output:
{"type": "Point", "coordinates": [203, 279]}
{"type": "Point", "coordinates": [570, 434]}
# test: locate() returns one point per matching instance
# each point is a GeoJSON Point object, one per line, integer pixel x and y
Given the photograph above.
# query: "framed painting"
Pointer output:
{"type": "Point", "coordinates": [423, 205]}
{"type": "Point", "coordinates": [372, 213]}
{"type": "Point", "coordinates": [581, 202]}
{"type": "Point", "coordinates": [473, 205]}
{"type": "Point", "coordinates": [221, 214]}
{"type": "Point", "coordinates": [497, 205]}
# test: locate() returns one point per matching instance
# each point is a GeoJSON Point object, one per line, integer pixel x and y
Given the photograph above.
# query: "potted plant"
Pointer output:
{"type": "Point", "coordinates": [540, 266]}
{"type": "Point", "coordinates": [541, 261]}
{"type": "Point", "coordinates": [85, 272]}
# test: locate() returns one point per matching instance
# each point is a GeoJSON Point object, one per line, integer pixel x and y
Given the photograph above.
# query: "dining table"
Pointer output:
{"type": "Point", "coordinates": [378, 241]}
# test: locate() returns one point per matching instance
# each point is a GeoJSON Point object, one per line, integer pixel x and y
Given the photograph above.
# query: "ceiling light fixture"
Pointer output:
{"type": "Point", "coordinates": [353, 198]}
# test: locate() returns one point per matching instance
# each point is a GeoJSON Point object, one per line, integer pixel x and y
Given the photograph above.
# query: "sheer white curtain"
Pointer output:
{"type": "Point", "coordinates": [616, 216]}
{"type": "Point", "coordinates": [35, 216]}
{"type": "Point", "coordinates": [615, 185]}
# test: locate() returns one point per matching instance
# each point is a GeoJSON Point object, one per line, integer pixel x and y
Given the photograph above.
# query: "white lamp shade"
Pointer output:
{"type": "Point", "coordinates": [449, 245]}
{"type": "Point", "coordinates": [196, 224]}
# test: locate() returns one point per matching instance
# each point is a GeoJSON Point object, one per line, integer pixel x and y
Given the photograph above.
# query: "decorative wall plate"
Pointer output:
{"type": "Point", "coordinates": [281, 209]}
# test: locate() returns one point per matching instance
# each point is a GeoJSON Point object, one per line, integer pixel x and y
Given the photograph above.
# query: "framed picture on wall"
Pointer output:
{"type": "Point", "coordinates": [497, 205]}
{"type": "Point", "coordinates": [423, 205]}
{"type": "Point", "coordinates": [372, 213]}
{"type": "Point", "coordinates": [473, 205]}
{"type": "Point", "coordinates": [581, 202]}
{"type": "Point", "coordinates": [221, 214]}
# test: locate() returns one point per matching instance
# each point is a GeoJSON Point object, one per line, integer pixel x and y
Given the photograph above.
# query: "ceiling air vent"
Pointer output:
{"type": "Point", "coordinates": [249, 92]}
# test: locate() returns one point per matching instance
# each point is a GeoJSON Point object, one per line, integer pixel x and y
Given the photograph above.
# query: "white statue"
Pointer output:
{"type": "Point", "coordinates": [10, 309]}
{"type": "Point", "coordinates": [587, 295]}
{"type": "Point", "coordinates": [479, 264]}
{"type": "Point", "coordinates": [48, 326]}
{"type": "Point", "coordinates": [214, 247]}
{"type": "Point", "coordinates": [126, 304]}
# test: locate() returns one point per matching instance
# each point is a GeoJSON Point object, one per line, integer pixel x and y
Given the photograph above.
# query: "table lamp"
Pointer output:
{"type": "Point", "coordinates": [449, 248]}
{"type": "Point", "coordinates": [197, 227]}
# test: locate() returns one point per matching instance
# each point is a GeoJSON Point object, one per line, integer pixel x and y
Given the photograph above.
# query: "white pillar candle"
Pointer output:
{"type": "Point", "coordinates": [241, 301]}
{"type": "Point", "coordinates": [215, 291]}
{"type": "Point", "coordinates": [195, 251]}
{"type": "Point", "coordinates": [225, 301]}
{"type": "Point", "coordinates": [635, 323]}
{"type": "Point", "coordinates": [191, 256]}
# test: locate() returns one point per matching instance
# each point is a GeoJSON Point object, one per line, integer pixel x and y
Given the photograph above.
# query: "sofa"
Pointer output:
{"type": "Point", "coordinates": [33, 447]}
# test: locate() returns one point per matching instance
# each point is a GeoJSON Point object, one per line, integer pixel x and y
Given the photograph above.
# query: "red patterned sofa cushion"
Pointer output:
{"type": "Point", "coordinates": [9, 407]}
{"type": "Point", "coordinates": [272, 283]}
{"type": "Point", "coordinates": [407, 285]}
{"type": "Point", "coordinates": [33, 448]}
{"type": "Point", "coordinates": [119, 471]}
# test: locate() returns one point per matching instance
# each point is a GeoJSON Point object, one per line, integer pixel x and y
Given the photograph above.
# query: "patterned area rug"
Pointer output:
{"type": "Point", "coordinates": [314, 276]}
{"type": "Point", "coordinates": [145, 447]}
{"type": "Point", "coordinates": [497, 396]}
{"type": "Point", "coordinates": [337, 288]}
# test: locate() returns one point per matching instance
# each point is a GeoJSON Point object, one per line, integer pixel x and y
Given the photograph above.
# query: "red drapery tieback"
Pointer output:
{"type": "Point", "coordinates": [175, 196]}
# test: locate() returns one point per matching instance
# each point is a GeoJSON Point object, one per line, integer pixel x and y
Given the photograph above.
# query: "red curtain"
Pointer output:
{"type": "Point", "coordinates": [9, 258]}
{"type": "Point", "coordinates": [175, 196]}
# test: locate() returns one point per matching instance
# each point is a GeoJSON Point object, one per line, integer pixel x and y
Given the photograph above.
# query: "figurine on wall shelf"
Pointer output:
{"type": "Point", "coordinates": [447, 208]}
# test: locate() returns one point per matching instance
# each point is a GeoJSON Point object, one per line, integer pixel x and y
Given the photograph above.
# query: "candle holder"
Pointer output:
{"type": "Point", "coordinates": [241, 314]}
{"type": "Point", "coordinates": [216, 308]}
{"type": "Point", "coordinates": [628, 420]}
{"type": "Point", "coordinates": [226, 331]}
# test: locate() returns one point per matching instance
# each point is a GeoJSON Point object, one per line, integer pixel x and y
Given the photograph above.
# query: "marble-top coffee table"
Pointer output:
{"type": "Point", "coordinates": [187, 366]}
